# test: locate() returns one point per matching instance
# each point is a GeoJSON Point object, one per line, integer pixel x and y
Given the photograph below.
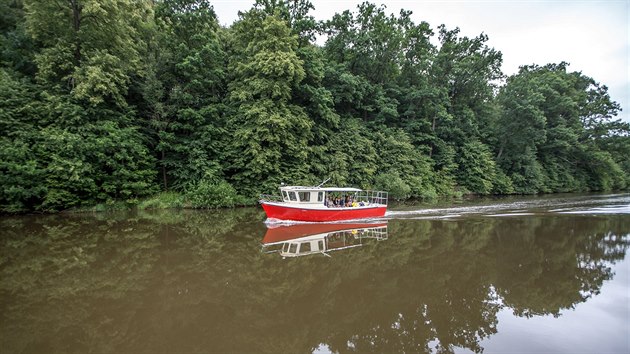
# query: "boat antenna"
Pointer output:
{"type": "Point", "coordinates": [321, 184]}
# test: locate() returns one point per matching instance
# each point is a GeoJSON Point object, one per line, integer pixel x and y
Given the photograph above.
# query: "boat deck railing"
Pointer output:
{"type": "Point", "coordinates": [270, 198]}
{"type": "Point", "coordinates": [372, 197]}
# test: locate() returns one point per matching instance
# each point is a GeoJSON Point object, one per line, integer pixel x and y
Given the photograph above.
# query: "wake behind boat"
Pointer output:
{"type": "Point", "coordinates": [320, 204]}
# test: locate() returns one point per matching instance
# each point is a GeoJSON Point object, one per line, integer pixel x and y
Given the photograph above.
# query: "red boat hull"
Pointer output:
{"type": "Point", "coordinates": [319, 215]}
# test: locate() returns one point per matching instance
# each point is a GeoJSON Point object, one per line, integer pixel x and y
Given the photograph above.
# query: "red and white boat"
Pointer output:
{"type": "Point", "coordinates": [321, 204]}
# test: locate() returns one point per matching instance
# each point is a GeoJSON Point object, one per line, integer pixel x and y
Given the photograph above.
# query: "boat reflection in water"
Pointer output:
{"type": "Point", "coordinates": [320, 238]}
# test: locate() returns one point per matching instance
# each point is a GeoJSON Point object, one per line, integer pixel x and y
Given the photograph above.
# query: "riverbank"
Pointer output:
{"type": "Point", "coordinates": [171, 200]}
{"type": "Point", "coordinates": [212, 197]}
{"type": "Point", "coordinates": [225, 197]}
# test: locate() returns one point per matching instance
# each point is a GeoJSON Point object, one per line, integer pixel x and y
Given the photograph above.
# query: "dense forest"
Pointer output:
{"type": "Point", "coordinates": [121, 100]}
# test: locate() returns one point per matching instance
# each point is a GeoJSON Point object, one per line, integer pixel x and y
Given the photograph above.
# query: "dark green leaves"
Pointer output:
{"type": "Point", "coordinates": [105, 100]}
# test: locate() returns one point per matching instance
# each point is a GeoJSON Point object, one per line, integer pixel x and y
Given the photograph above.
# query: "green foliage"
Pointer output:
{"type": "Point", "coordinates": [102, 101]}
{"type": "Point", "coordinates": [551, 130]}
{"type": "Point", "coordinates": [502, 183]}
{"type": "Point", "coordinates": [89, 47]}
{"type": "Point", "coordinates": [210, 192]}
{"type": "Point", "coordinates": [21, 172]}
{"type": "Point", "coordinates": [163, 200]}
{"type": "Point", "coordinates": [351, 157]}
{"type": "Point", "coordinates": [476, 168]}
{"type": "Point", "coordinates": [20, 177]}
{"type": "Point", "coordinates": [295, 14]}
{"type": "Point", "coordinates": [270, 134]}
{"type": "Point", "coordinates": [16, 46]}
{"type": "Point", "coordinates": [57, 154]}
{"type": "Point", "coordinates": [392, 183]}
{"type": "Point", "coordinates": [604, 174]}
{"type": "Point", "coordinates": [99, 162]}
{"type": "Point", "coordinates": [184, 90]}
{"type": "Point", "coordinates": [400, 159]}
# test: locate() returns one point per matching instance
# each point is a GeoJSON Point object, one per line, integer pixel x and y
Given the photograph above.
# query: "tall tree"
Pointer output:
{"type": "Point", "coordinates": [270, 134]}
{"type": "Point", "coordinates": [419, 101]}
{"type": "Point", "coordinates": [367, 45]}
{"type": "Point", "coordinates": [88, 47]}
{"type": "Point", "coordinates": [184, 91]}
{"type": "Point", "coordinates": [295, 13]}
{"type": "Point", "coordinates": [309, 93]}
{"type": "Point", "coordinates": [463, 75]}
{"type": "Point", "coordinates": [551, 130]}
{"type": "Point", "coordinates": [368, 42]}
{"type": "Point", "coordinates": [16, 46]}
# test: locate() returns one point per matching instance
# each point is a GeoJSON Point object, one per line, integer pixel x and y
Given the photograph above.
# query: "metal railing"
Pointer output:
{"type": "Point", "coordinates": [270, 198]}
{"type": "Point", "coordinates": [372, 197]}
{"type": "Point", "coordinates": [369, 196]}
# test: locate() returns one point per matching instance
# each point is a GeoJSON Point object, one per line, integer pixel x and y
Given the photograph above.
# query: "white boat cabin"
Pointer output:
{"type": "Point", "coordinates": [312, 195]}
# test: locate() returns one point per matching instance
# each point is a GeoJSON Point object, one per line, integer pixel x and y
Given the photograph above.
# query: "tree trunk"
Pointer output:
{"type": "Point", "coordinates": [500, 151]}
{"type": "Point", "coordinates": [77, 8]}
{"type": "Point", "coordinates": [164, 173]}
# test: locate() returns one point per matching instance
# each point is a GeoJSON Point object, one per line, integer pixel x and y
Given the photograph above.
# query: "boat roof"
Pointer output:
{"type": "Point", "coordinates": [326, 189]}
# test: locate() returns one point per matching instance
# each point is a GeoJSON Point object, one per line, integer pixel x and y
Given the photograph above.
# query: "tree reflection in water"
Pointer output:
{"type": "Point", "coordinates": [197, 282]}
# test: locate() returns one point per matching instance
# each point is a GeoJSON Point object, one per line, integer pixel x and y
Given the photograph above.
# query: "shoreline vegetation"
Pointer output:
{"type": "Point", "coordinates": [154, 104]}
{"type": "Point", "coordinates": [177, 201]}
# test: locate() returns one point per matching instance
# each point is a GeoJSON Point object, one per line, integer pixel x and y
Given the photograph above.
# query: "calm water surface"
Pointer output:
{"type": "Point", "coordinates": [514, 275]}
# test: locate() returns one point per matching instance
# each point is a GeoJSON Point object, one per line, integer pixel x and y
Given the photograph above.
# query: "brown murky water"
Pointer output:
{"type": "Point", "coordinates": [510, 275]}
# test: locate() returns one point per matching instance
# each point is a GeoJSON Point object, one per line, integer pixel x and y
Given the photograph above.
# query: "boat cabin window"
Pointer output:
{"type": "Point", "coordinates": [293, 248]}
{"type": "Point", "coordinates": [305, 247]}
{"type": "Point", "coordinates": [305, 196]}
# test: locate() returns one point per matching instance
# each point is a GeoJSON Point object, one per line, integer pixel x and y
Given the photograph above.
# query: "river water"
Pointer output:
{"type": "Point", "coordinates": [509, 275]}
